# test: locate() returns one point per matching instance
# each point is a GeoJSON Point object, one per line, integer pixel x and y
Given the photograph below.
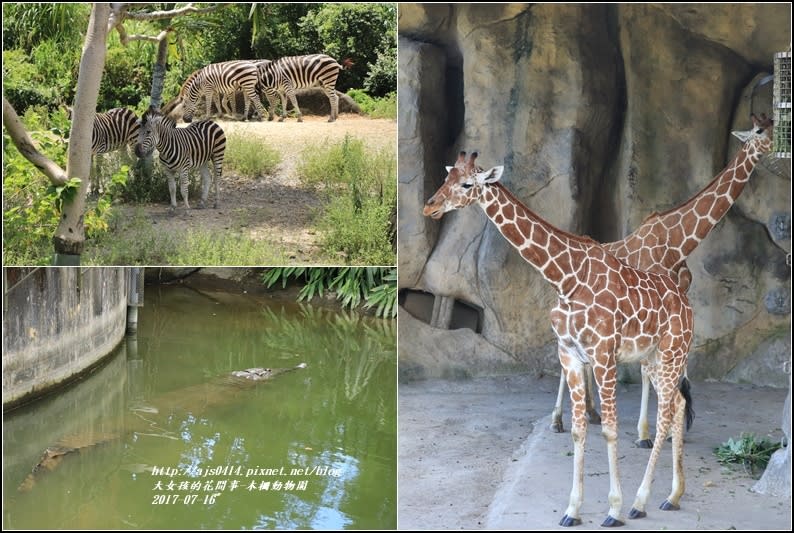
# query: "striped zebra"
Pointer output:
{"type": "Point", "coordinates": [219, 79]}
{"type": "Point", "coordinates": [283, 76]}
{"type": "Point", "coordinates": [113, 130]}
{"type": "Point", "coordinates": [183, 149]}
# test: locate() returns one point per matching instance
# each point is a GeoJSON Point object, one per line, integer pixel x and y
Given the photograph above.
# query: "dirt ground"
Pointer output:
{"type": "Point", "coordinates": [276, 208]}
{"type": "Point", "coordinates": [478, 454]}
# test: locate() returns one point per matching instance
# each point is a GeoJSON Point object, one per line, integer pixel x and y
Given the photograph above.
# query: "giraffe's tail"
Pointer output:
{"type": "Point", "coordinates": [689, 412]}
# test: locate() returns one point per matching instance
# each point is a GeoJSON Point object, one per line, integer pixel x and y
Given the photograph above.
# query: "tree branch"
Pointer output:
{"type": "Point", "coordinates": [24, 144]}
{"type": "Point", "coordinates": [187, 10]}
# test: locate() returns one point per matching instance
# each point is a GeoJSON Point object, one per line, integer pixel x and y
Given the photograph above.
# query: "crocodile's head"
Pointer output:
{"type": "Point", "coordinates": [260, 374]}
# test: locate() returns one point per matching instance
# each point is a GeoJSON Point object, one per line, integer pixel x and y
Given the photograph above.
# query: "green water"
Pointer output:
{"type": "Point", "coordinates": [312, 448]}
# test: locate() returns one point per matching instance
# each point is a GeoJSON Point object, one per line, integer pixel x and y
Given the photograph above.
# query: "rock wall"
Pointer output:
{"type": "Point", "coordinates": [601, 114]}
{"type": "Point", "coordinates": [58, 323]}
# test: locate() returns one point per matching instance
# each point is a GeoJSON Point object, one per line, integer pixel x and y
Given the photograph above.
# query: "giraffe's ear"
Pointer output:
{"type": "Point", "coordinates": [490, 176]}
{"type": "Point", "coordinates": [449, 169]}
{"type": "Point", "coordinates": [742, 135]}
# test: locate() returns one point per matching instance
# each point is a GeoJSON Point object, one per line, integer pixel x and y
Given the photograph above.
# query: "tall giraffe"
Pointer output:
{"type": "Point", "coordinates": [606, 313]}
{"type": "Point", "coordinates": [663, 242]}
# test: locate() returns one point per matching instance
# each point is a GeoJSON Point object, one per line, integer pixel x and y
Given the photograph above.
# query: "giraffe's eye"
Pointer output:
{"type": "Point", "coordinates": [467, 185]}
{"type": "Point", "coordinates": [759, 131]}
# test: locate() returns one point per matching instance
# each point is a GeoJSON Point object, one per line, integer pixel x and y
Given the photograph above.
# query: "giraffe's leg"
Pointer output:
{"type": "Point", "coordinates": [644, 439]}
{"type": "Point", "coordinates": [671, 503]}
{"type": "Point", "coordinates": [606, 379]}
{"type": "Point", "coordinates": [592, 415]}
{"type": "Point", "coordinates": [206, 181]}
{"type": "Point", "coordinates": [670, 410]}
{"type": "Point", "coordinates": [573, 369]}
{"type": "Point", "coordinates": [556, 415]}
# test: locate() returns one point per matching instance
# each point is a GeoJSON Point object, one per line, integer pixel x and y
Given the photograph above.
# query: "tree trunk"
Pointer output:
{"type": "Point", "coordinates": [146, 167]}
{"type": "Point", "coordinates": [69, 238]}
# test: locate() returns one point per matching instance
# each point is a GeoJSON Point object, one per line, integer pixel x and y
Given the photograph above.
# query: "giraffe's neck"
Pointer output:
{"type": "Point", "coordinates": [711, 204]}
{"type": "Point", "coordinates": [553, 252]}
{"type": "Point", "coordinates": [665, 240]}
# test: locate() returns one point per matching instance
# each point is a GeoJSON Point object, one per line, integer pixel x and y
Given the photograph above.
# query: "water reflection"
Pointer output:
{"type": "Point", "coordinates": [339, 413]}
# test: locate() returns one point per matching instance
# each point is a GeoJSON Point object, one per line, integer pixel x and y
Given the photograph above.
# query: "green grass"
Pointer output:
{"type": "Point", "coordinates": [136, 241]}
{"type": "Point", "coordinates": [249, 157]}
{"type": "Point", "coordinates": [385, 107]}
{"type": "Point", "coordinates": [360, 188]}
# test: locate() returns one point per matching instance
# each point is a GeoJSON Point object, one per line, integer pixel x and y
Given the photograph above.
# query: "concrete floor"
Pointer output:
{"type": "Point", "coordinates": [478, 454]}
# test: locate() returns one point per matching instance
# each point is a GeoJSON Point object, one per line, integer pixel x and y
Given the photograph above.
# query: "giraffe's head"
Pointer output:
{"type": "Point", "coordinates": [463, 185]}
{"type": "Point", "coordinates": [758, 140]}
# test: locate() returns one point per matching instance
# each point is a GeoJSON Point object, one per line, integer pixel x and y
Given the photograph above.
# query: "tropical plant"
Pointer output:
{"type": "Point", "coordinates": [376, 287]}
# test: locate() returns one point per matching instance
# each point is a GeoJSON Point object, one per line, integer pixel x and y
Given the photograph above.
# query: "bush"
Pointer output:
{"type": "Point", "coordinates": [249, 156]}
{"type": "Point", "coordinates": [385, 107]}
{"type": "Point", "coordinates": [361, 187]}
{"type": "Point", "coordinates": [382, 76]}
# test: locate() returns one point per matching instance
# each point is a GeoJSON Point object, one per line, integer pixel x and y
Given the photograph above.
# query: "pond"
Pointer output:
{"type": "Point", "coordinates": [162, 437]}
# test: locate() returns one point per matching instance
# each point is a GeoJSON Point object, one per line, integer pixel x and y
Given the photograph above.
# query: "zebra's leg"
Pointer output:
{"type": "Point", "coordinates": [291, 94]}
{"type": "Point", "coordinates": [250, 96]}
{"type": "Point", "coordinates": [218, 165]}
{"type": "Point", "coordinates": [283, 98]}
{"type": "Point", "coordinates": [271, 100]}
{"type": "Point", "coordinates": [333, 99]}
{"type": "Point", "coordinates": [184, 181]}
{"type": "Point", "coordinates": [172, 190]}
{"type": "Point", "coordinates": [206, 181]}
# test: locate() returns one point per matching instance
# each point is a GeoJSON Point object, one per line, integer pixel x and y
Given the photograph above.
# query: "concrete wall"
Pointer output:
{"type": "Point", "coordinates": [57, 323]}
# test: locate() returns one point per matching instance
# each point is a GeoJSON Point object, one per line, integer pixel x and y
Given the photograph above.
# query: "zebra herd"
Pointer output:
{"type": "Point", "coordinates": [203, 143]}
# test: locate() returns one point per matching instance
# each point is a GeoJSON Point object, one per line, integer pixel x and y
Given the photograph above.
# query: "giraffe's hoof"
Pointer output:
{"type": "Point", "coordinates": [215, 205]}
{"type": "Point", "coordinates": [634, 513]}
{"type": "Point", "coordinates": [568, 521]}
{"type": "Point", "coordinates": [611, 522]}
{"type": "Point", "coordinates": [644, 443]}
{"type": "Point", "coordinates": [556, 426]}
{"type": "Point", "coordinates": [300, 119]}
{"type": "Point", "coordinates": [594, 418]}
{"type": "Point", "coordinates": [667, 506]}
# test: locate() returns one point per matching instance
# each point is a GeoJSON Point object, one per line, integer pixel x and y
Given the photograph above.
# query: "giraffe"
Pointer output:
{"type": "Point", "coordinates": [606, 313]}
{"type": "Point", "coordinates": [664, 241]}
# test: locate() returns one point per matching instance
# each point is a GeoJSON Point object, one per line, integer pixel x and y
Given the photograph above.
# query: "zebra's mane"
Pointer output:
{"type": "Point", "coordinates": [153, 113]}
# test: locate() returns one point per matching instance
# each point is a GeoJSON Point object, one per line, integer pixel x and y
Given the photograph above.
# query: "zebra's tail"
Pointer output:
{"type": "Point", "coordinates": [689, 411]}
{"type": "Point", "coordinates": [347, 63]}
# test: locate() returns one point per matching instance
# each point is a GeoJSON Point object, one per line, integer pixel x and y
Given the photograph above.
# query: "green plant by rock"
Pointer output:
{"type": "Point", "coordinates": [749, 451]}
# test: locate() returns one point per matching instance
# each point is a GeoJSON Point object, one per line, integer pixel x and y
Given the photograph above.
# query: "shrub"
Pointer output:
{"type": "Point", "coordinates": [249, 156]}
{"type": "Point", "coordinates": [361, 188]}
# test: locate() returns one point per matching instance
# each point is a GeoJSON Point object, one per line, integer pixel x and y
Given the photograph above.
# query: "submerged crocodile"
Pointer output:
{"type": "Point", "coordinates": [220, 391]}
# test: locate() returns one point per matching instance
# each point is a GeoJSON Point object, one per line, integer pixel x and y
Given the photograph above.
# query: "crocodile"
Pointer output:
{"type": "Point", "coordinates": [219, 391]}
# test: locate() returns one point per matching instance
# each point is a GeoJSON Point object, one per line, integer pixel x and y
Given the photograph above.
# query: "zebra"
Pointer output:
{"type": "Point", "coordinates": [183, 149]}
{"type": "Point", "coordinates": [220, 78]}
{"type": "Point", "coordinates": [112, 130]}
{"type": "Point", "coordinates": [283, 76]}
